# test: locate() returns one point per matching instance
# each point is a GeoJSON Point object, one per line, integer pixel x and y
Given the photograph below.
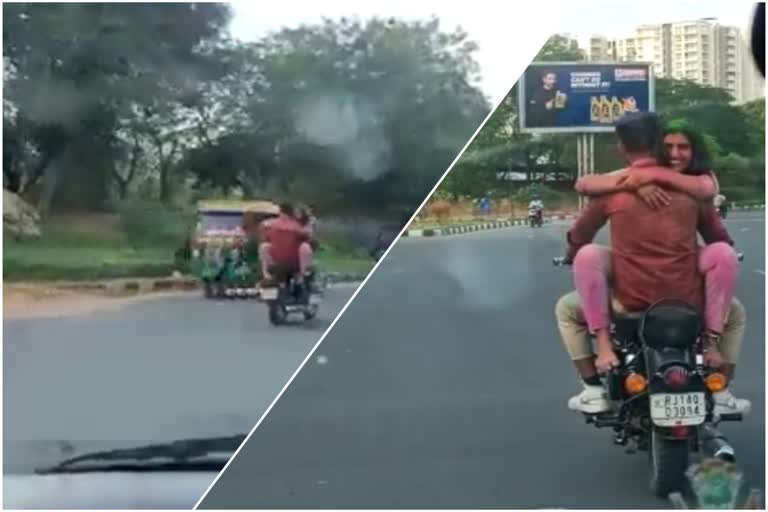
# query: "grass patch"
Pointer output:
{"type": "Point", "coordinates": [73, 253]}
{"type": "Point", "coordinates": [343, 258]}
{"type": "Point", "coordinates": [46, 260]}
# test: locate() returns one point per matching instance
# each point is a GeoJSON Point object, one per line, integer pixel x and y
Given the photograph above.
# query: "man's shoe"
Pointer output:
{"type": "Point", "coordinates": [592, 400]}
{"type": "Point", "coordinates": [726, 403]}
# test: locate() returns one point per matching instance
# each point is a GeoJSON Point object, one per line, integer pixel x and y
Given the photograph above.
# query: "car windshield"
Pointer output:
{"type": "Point", "coordinates": [221, 221]}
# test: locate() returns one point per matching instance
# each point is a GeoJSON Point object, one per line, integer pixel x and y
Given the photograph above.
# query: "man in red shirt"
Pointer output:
{"type": "Point", "coordinates": [654, 252]}
{"type": "Point", "coordinates": [283, 238]}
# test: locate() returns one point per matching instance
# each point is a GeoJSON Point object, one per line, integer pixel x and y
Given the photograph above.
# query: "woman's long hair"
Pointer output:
{"type": "Point", "coordinates": [701, 157]}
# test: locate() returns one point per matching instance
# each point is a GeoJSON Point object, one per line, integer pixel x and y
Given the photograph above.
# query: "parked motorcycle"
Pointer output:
{"type": "Point", "coordinates": [284, 296]}
{"type": "Point", "coordinates": [536, 217]}
{"type": "Point", "coordinates": [661, 393]}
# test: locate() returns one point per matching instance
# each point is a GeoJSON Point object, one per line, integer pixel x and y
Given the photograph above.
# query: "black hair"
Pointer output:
{"type": "Point", "coordinates": [642, 133]}
{"type": "Point", "coordinates": [286, 208]}
{"type": "Point", "coordinates": [701, 157]}
{"type": "Point", "coordinates": [757, 38]}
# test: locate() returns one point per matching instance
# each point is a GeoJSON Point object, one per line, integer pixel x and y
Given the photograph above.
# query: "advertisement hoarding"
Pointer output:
{"type": "Point", "coordinates": [582, 97]}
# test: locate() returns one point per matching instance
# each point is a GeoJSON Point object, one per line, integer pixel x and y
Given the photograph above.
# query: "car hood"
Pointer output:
{"type": "Point", "coordinates": [145, 490]}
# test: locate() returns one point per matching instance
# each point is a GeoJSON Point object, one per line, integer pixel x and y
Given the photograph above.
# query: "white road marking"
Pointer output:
{"type": "Point", "coordinates": [760, 271]}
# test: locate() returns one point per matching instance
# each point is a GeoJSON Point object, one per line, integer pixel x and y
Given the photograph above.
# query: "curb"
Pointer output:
{"type": "Point", "coordinates": [748, 207]}
{"type": "Point", "coordinates": [483, 226]}
{"type": "Point", "coordinates": [138, 286]}
{"type": "Point", "coordinates": [131, 286]}
{"type": "Point", "coordinates": [501, 224]}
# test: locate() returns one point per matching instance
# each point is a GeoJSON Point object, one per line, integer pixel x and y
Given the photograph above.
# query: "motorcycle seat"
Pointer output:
{"type": "Point", "coordinates": [668, 322]}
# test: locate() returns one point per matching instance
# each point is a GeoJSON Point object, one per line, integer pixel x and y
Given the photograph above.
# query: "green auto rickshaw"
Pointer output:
{"type": "Point", "coordinates": [225, 246]}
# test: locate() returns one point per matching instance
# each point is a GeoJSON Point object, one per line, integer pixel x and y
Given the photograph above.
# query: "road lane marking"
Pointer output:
{"type": "Point", "coordinates": [759, 271]}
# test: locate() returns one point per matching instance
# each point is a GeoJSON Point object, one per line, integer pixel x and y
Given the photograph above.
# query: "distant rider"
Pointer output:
{"type": "Point", "coordinates": [720, 204]}
{"type": "Point", "coordinates": [536, 206]}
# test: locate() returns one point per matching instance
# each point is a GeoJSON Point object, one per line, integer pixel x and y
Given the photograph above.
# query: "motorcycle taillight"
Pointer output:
{"type": "Point", "coordinates": [680, 431]}
{"type": "Point", "coordinates": [676, 377]}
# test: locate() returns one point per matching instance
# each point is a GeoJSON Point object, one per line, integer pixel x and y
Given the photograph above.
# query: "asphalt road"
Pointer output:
{"type": "Point", "coordinates": [155, 371]}
{"type": "Point", "coordinates": [445, 384]}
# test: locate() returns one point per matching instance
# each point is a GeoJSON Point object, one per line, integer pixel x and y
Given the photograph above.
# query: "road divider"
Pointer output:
{"type": "Point", "coordinates": [503, 224]}
{"type": "Point", "coordinates": [747, 207]}
{"type": "Point", "coordinates": [479, 226]}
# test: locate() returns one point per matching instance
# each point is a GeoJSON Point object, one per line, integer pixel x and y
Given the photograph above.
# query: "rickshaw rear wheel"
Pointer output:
{"type": "Point", "coordinates": [277, 313]}
{"type": "Point", "coordinates": [221, 290]}
{"type": "Point", "coordinates": [208, 289]}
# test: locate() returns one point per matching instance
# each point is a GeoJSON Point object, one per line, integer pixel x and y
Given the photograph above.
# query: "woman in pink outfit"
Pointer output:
{"type": "Point", "coordinates": [718, 262]}
{"type": "Point", "coordinates": [307, 249]}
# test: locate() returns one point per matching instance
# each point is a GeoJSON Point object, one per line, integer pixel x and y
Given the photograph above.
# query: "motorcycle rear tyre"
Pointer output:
{"type": "Point", "coordinates": [669, 462]}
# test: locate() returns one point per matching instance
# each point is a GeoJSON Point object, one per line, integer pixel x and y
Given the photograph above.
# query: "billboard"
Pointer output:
{"type": "Point", "coordinates": [582, 97]}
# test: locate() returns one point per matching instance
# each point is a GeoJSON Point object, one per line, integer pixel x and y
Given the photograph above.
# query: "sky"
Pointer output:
{"type": "Point", "coordinates": [508, 34]}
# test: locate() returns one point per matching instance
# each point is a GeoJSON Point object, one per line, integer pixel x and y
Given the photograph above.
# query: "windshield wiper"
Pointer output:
{"type": "Point", "coordinates": [207, 454]}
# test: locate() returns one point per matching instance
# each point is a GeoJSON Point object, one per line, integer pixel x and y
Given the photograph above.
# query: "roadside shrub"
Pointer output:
{"type": "Point", "coordinates": [149, 223]}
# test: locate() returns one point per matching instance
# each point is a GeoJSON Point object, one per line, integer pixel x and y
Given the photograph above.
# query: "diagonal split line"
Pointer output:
{"type": "Point", "coordinates": [359, 288]}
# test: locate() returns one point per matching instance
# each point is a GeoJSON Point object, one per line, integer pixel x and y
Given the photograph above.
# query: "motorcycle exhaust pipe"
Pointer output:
{"type": "Point", "coordinates": [715, 443]}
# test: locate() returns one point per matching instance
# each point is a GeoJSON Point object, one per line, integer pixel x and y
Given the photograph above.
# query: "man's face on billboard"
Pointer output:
{"type": "Point", "coordinates": [548, 80]}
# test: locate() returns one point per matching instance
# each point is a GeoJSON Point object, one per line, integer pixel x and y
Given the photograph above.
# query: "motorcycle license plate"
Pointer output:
{"type": "Point", "coordinates": [269, 294]}
{"type": "Point", "coordinates": [678, 409]}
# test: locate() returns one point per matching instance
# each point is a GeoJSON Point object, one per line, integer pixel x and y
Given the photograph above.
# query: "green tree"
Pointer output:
{"type": "Point", "coordinates": [74, 70]}
{"type": "Point", "coordinates": [560, 48]}
{"type": "Point", "coordinates": [755, 114]}
{"type": "Point", "coordinates": [372, 112]}
{"type": "Point", "coordinates": [674, 96]}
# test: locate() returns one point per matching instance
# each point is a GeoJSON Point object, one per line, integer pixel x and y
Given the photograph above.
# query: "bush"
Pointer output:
{"type": "Point", "coordinates": [744, 194]}
{"type": "Point", "coordinates": [148, 223]}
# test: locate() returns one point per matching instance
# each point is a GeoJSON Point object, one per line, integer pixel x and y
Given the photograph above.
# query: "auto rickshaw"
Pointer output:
{"type": "Point", "coordinates": [225, 246]}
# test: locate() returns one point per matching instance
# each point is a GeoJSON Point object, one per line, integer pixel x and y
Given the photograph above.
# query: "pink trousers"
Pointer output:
{"type": "Point", "coordinates": [305, 257]}
{"type": "Point", "coordinates": [718, 264]}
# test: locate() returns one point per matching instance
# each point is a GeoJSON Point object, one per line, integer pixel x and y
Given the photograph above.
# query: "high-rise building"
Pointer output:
{"type": "Point", "coordinates": [699, 50]}
{"type": "Point", "coordinates": [602, 49]}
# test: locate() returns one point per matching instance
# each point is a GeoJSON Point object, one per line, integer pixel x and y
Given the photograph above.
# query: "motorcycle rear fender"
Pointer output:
{"type": "Point", "coordinates": [658, 360]}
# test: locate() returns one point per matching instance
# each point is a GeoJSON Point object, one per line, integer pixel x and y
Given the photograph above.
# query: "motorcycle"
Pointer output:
{"type": "Point", "coordinates": [661, 392]}
{"type": "Point", "coordinates": [536, 217]}
{"type": "Point", "coordinates": [285, 295]}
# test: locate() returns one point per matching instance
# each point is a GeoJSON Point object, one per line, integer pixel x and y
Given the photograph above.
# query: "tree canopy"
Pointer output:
{"type": "Point", "coordinates": [109, 102]}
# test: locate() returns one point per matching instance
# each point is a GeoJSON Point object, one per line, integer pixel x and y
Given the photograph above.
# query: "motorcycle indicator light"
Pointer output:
{"type": "Point", "coordinates": [716, 382]}
{"type": "Point", "coordinates": [676, 377]}
{"type": "Point", "coordinates": [635, 383]}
